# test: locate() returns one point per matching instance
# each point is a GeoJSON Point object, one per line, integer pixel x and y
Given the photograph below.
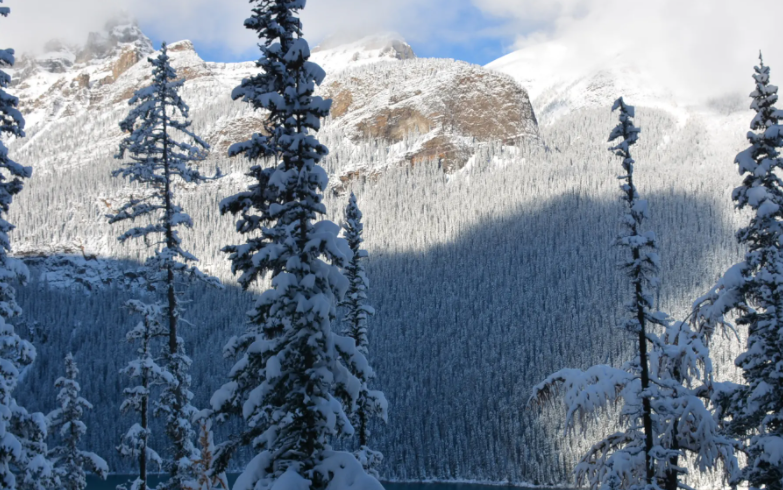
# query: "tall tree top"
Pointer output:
{"type": "Point", "coordinates": [761, 187]}
{"type": "Point", "coordinates": [156, 105]}
{"type": "Point", "coordinates": [764, 98]}
{"type": "Point", "coordinates": [762, 191]}
{"type": "Point", "coordinates": [285, 88]}
{"type": "Point", "coordinates": [291, 190]}
{"type": "Point", "coordinates": [158, 158]}
{"type": "Point", "coordinates": [276, 19]}
{"type": "Point", "coordinates": [353, 218]}
{"type": "Point", "coordinates": [642, 266]}
{"type": "Point", "coordinates": [626, 130]}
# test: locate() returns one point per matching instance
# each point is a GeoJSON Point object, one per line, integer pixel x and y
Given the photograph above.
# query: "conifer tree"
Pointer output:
{"type": "Point", "coordinates": [753, 289]}
{"type": "Point", "coordinates": [288, 370]}
{"type": "Point", "coordinates": [135, 442]}
{"type": "Point", "coordinates": [662, 414]}
{"type": "Point", "coordinates": [370, 403]}
{"type": "Point", "coordinates": [22, 434]}
{"type": "Point", "coordinates": [640, 269]}
{"type": "Point", "coordinates": [624, 460]}
{"type": "Point", "coordinates": [70, 461]}
{"type": "Point", "coordinates": [159, 161]}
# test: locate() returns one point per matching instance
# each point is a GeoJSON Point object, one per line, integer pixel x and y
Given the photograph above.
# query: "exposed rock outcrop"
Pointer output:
{"type": "Point", "coordinates": [445, 104]}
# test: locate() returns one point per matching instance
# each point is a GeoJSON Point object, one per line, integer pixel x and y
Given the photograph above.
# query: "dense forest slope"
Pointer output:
{"type": "Point", "coordinates": [486, 278]}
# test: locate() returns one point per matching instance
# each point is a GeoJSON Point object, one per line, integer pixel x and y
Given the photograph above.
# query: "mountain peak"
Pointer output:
{"type": "Point", "coordinates": [339, 52]}
{"type": "Point", "coordinates": [119, 33]}
{"type": "Point", "coordinates": [184, 45]}
{"type": "Point", "coordinates": [556, 85]}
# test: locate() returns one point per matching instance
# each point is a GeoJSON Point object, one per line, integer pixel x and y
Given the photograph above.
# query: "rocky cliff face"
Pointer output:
{"type": "Point", "coordinates": [445, 105]}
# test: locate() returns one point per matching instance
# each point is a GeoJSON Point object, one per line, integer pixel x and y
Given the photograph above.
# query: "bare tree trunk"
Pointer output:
{"type": "Point", "coordinates": [645, 374]}
{"type": "Point", "coordinates": [172, 298]}
{"type": "Point", "coordinates": [144, 417]}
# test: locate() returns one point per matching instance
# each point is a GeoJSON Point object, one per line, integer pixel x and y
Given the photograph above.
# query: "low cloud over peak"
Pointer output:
{"type": "Point", "coordinates": [697, 48]}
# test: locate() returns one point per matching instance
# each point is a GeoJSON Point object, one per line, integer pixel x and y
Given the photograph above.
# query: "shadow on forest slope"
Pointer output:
{"type": "Point", "coordinates": [463, 330]}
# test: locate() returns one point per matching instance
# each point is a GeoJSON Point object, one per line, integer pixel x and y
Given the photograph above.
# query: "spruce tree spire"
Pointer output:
{"type": "Point", "coordinates": [662, 415]}
{"type": "Point", "coordinates": [70, 461]}
{"type": "Point", "coordinates": [641, 268]}
{"type": "Point", "coordinates": [356, 298]}
{"type": "Point", "coordinates": [288, 370]}
{"type": "Point", "coordinates": [159, 162]}
{"type": "Point", "coordinates": [754, 290]}
{"type": "Point", "coordinates": [370, 403]}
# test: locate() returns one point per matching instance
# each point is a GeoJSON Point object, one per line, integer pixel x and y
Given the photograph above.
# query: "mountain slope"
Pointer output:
{"type": "Point", "coordinates": [485, 281]}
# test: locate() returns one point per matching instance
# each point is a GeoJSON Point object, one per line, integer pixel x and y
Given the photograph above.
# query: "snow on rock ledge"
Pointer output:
{"type": "Point", "coordinates": [336, 54]}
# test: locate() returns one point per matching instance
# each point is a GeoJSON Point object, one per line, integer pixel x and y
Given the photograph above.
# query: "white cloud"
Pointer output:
{"type": "Point", "coordinates": [217, 25]}
{"type": "Point", "coordinates": [693, 46]}
{"type": "Point", "coordinates": [33, 22]}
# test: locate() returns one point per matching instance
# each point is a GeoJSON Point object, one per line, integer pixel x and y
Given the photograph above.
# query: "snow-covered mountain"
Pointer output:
{"type": "Point", "coordinates": [485, 279]}
{"type": "Point", "coordinates": [557, 88]}
{"type": "Point", "coordinates": [380, 90]}
{"type": "Point", "coordinates": [559, 85]}
{"type": "Point", "coordinates": [336, 53]}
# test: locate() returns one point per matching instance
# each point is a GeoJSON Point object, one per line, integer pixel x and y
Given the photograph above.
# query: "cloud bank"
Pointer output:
{"type": "Point", "coordinates": [697, 46]}
{"type": "Point", "coordinates": [216, 25]}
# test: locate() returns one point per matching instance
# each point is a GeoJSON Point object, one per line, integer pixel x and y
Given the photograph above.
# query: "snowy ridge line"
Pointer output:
{"type": "Point", "coordinates": [381, 99]}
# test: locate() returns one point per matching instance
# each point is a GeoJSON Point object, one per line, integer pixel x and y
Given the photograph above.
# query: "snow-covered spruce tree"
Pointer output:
{"type": "Point", "coordinates": [662, 414]}
{"type": "Point", "coordinates": [625, 459]}
{"type": "Point", "coordinates": [753, 289]}
{"type": "Point", "coordinates": [288, 370]}
{"type": "Point", "coordinates": [135, 442]}
{"type": "Point", "coordinates": [159, 161]}
{"type": "Point", "coordinates": [641, 268]}
{"type": "Point", "coordinates": [370, 403]}
{"type": "Point", "coordinates": [22, 434]}
{"type": "Point", "coordinates": [70, 461]}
